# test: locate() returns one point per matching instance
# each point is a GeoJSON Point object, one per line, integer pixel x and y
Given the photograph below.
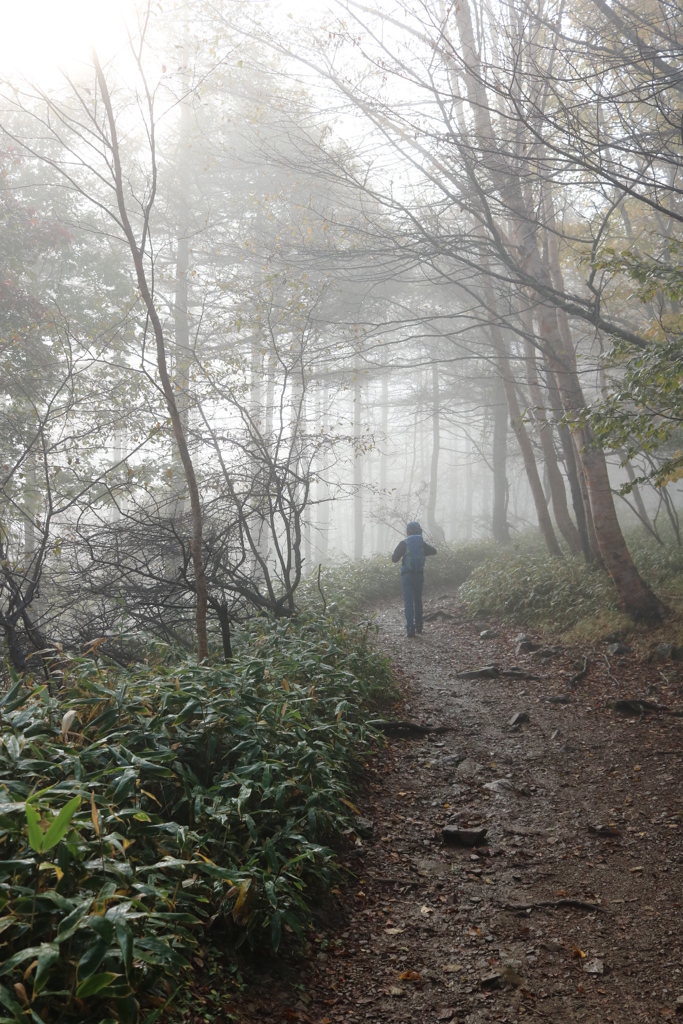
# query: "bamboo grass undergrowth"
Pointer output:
{"type": "Point", "coordinates": [148, 810]}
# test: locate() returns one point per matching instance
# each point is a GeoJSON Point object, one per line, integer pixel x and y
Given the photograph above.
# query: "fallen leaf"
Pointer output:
{"type": "Point", "coordinates": [426, 910]}
{"type": "Point", "coordinates": [445, 1014]}
{"type": "Point", "coordinates": [394, 931]}
{"type": "Point", "coordinates": [451, 968]}
{"type": "Point", "coordinates": [578, 953]}
{"type": "Point", "coordinates": [635, 870]}
{"type": "Point", "coordinates": [411, 976]}
{"type": "Point", "coordinates": [397, 993]}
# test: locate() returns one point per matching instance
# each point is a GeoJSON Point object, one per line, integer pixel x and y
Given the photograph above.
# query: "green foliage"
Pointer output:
{"type": "Point", "coordinates": [172, 799]}
{"type": "Point", "coordinates": [355, 586]}
{"type": "Point", "coordinates": [643, 413]}
{"type": "Point", "coordinates": [535, 589]}
{"type": "Point", "coordinates": [541, 590]}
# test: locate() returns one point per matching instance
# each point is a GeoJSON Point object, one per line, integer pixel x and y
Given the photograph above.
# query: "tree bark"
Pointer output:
{"type": "Point", "coordinates": [435, 530]}
{"type": "Point", "coordinates": [137, 252]}
{"type": "Point", "coordinates": [357, 472]}
{"type": "Point", "coordinates": [555, 481]}
{"type": "Point", "coordinates": [499, 519]}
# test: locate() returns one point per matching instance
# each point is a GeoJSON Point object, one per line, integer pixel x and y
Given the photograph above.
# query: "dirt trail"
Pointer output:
{"type": "Point", "coordinates": [437, 933]}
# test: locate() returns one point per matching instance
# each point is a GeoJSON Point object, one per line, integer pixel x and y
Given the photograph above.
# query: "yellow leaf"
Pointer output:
{"type": "Point", "coordinates": [285, 685]}
{"type": "Point", "coordinates": [349, 804]}
{"type": "Point", "coordinates": [47, 866]}
{"type": "Point", "coordinates": [578, 953]}
{"type": "Point", "coordinates": [94, 815]}
{"type": "Point", "coordinates": [241, 910]}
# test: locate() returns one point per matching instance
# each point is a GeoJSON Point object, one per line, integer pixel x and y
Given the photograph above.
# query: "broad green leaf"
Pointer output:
{"type": "Point", "coordinates": [92, 958]}
{"type": "Point", "coordinates": [124, 937]}
{"type": "Point", "coordinates": [60, 825]}
{"type": "Point", "coordinates": [49, 955]}
{"type": "Point", "coordinates": [30, 953]}
{"type": "Point", "coordinates": [35, 832]}
{"type": "Point", "coordinates": [95, 984]}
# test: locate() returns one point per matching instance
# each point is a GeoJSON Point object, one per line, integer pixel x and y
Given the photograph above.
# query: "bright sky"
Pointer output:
{"type": "Point", "coordinates": [39, 36]}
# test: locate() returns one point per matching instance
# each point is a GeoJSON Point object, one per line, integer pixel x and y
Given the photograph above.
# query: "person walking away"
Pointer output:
{"type": "Point", "coordinates": [411, 553]}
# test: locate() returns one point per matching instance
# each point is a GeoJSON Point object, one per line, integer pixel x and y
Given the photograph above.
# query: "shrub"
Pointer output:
{"type": "Point", "coordinates": [356, 586]}
{"type": "Point", "coordinates": [142, 807]}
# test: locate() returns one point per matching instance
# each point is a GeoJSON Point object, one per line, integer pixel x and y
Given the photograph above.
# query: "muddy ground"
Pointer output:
{"type": "Point", "coordinates": [571, 911]}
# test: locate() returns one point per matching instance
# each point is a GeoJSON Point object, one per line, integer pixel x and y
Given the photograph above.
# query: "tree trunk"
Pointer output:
{"type": "Point", "coordinates": [357, 472]}
{"type": "Point", "coordinates": [555, 481]}
{"type": "Point", "coordinates": [137, 252]}
{"type": "Point", "coordinates": [435, 530]}
{"type": "Point", "coordinates": [384, 458]}
{"type": "Point", "coordinates": [499, 519]}
{"type": "Point", "coordinates": [635, 596]}
{"type": "Point", "coordinates": [580, 501]}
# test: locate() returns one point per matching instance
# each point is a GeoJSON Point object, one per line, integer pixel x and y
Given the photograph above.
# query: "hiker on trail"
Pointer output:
{"type": "Point", "coordinates": [412, 552]}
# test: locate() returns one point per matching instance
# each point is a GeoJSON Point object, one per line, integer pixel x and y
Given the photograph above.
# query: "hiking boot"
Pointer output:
{"type": "Point", "coordinates": [418, 630]}
{"type": "Point", "coordinates": [411, 632]}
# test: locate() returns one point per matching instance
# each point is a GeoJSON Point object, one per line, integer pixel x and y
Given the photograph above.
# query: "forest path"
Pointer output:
{"type": "Point", "coordinates": [438, 933]}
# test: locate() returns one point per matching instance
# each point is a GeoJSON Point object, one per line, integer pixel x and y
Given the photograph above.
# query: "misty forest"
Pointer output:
{"type": "Point", "coordinates": [288, 289]}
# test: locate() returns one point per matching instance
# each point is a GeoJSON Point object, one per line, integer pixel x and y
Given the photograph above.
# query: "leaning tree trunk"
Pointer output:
{"type": "Point", "coordinates": [137, 253]}
{"type": "Point", "coordinates": [557, 489]}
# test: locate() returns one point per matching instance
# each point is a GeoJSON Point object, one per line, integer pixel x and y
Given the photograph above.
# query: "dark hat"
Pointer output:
{"type": "Point", "coordinates": [413, 527]}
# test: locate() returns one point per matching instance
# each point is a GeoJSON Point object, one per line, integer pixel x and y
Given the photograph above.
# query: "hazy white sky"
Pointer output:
{"type": "Point", "coordinates": [39, 36]}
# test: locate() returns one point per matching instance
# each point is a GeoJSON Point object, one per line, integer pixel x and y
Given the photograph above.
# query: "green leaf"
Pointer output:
{"type": "Point", "coordinates": [92, 958]}
{"type": "Point", "coordinates": [60, 825]}
{"type": "Point", "coordinates": [49, 954]}
{"type": "Point", "coordinates": [98, 982]}
{"type": "Point", "coordinates": [30, 953]}
{"type": "Point", "coordinates": [124, 937]}
{"type": "Point", "coordinates": [35, 832]}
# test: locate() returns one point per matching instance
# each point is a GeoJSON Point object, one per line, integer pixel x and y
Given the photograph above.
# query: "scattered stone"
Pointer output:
{"type": "Point", "coordinates": [492, 981]}
{"type": "Point", "coordinates": [519, 718]}
{"type": "Point", "coordinates": [527, 647]}
{"type": "Point", "coordinates": [594, 967]}
{"type": "Point", "coordinates": [499, 979]}
{"type": "Point", "coordinates": [664, 651]}
{"type": "Point", "coordinates": [365, 827]}
{"type": "Point", "coordinates": [467, 768]}
{"type": "Point", "coordinates": [499, 786]}
{"type": "Point", "coordinates": [604, 830]}
{"type": "Point", "coordinates": [553, 945]}
{"type": "Point", "coordinates": [545, 653]}
{"type": "Point", "coordinates": [679, 1004]}
{"type": "Point", "coordinates": [488, 634]}
{"type": "Point", "coordinates": [452, 759]}
{"type": "Point", "coordinates": [464, 836]}
{"type": "Point", "coordinates": [559, 698]}
{"type": "Point", "coordinates": [487, 672]}
{"type": "Point", "coordinates": [614, 649]}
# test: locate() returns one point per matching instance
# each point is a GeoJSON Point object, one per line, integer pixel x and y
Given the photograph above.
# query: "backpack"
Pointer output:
{"type": "Point", "coordinates": [414, 558]}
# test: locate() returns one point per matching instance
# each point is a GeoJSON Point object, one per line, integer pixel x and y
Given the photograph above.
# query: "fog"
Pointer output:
{"type": "Point", "coordinates": [278, 279]}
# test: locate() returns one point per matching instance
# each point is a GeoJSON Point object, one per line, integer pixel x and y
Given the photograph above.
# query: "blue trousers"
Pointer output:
{"type": "Point", "coordinates": [411, 583]}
